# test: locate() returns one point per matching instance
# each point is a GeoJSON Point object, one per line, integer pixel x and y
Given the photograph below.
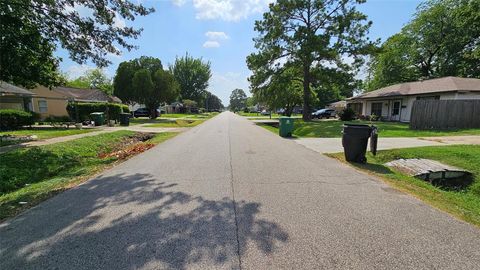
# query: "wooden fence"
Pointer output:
{"type": "Point", "coordinates": [445, 114]}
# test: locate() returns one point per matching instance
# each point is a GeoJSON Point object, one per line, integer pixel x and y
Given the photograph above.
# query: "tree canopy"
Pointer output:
{"type": "Point", "coordinates": [192, 75]}
{"type": "Point", "coordinates": [94, 78]}
{"type": "Point", "coordinates": [212, 102]}
{"type": "Point", "coordinates": [238, 100]}
{"type": "Point", "coordinates": [144, 81]}
{"type": "Point", "coordinates": [30, 31]}
{"type": "Point", "coordinates": [443, 39]}
{"type": "Point", "coordinates": [309, 34]}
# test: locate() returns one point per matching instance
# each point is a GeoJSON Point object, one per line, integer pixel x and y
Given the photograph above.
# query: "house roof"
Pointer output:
{"type": "Point", "coordinates": [7, 88]}
{"type": "Point", "coordinates": [445, 84]}
{"type": "Point", "coordinates": [338, 103]}
{"type": "Point", "coordinates": [87, 95]}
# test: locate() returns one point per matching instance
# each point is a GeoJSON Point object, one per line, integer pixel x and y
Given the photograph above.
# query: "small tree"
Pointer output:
{"type": "Point", "coordinates": [238, 100]}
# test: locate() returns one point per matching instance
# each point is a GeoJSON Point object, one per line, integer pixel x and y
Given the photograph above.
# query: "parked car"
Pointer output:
{"type": "Point", "coordinates": [143, 112]}
{"type": "Point", "coordinates": [281, 111]}
{"type": "Point", "coordinates": [265, 112]}
{"type": "Point", "coordinates": [323, 113]}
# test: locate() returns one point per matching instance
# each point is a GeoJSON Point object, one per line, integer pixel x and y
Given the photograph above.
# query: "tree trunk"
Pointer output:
{"type": "Point", "coordinates": [306, 93]}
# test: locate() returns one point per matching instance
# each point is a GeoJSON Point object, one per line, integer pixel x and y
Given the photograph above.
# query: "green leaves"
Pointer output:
{"type": "Point", "coordinates": [30, 31]}
{"type": "Point", "coordinates": [443, 39]}
{"type": "Point", "coordinates": [307, 34]}
{"type": "Point", "coordinates": [192, 74]}
{"type": "Point", "coordinates": [238, 100]}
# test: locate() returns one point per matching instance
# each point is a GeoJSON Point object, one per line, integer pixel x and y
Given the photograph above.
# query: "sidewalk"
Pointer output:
{"type": "Point", "coordinates": [334, 145]}
{"type": "Point", "coordinates": [101, 130]}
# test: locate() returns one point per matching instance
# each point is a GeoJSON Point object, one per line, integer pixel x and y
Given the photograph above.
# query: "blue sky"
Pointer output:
{"type": "Point", "coordinates": [221, 31]}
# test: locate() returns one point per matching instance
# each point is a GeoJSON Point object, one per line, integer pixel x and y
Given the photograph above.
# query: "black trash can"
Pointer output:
{"type": "Point", "coordinates": [355, 140]}
{"type": "Point", "coordinates": [124, 119]}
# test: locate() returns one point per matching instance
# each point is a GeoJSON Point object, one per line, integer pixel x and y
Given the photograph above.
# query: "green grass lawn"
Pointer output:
{"type": "Point", "coordinates": [161, 119]}
{"type": "Point", "coordinates": [34, 174]}
{"type": "Point", "coordinates": [333, 129]}
{"type": "Point", "coordinates": [42, 134]}
{"type": "Point", "coordinates": [176, 123]}
{"type": "Point", "coordinates": [463, 203]}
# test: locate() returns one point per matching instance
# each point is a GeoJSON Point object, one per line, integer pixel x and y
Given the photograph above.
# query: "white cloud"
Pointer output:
{"type": "Point", "coordinates": [211, 35]}
{"type": "Point", "coordinates": [227, 10]}
{"type": "Point", "coordinates": [211, 44]}
{"type": "Point", "coordinates": [179, 3]}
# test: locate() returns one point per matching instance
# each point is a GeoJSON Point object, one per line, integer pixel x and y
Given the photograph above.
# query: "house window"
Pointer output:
{"type": "Point", "coordinates": [42, 106]}
{"type": "Point", "coordinates": [377, 108]}
{"type": "Point", "coordinates": [356, 107]}
{"type": "Point", "coordinates": [396, 108]}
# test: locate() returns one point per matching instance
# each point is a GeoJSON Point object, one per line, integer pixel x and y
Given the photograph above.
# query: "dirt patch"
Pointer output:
{"type": "Point", "coordinates": [130, 146]}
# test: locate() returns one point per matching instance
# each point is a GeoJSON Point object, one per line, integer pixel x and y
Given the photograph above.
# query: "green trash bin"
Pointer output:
{"type": "Point", "coordinates": [98, 118]}
{"type": "Point", "coordinates": [285, 126]}
{"type": "Point", "coordinates": [125, 119]}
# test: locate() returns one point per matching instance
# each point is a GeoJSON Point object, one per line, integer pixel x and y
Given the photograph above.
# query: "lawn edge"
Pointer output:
{"type": "Point", "coordinates": [452, 211]}
{"type": "Point", "coordinates": [77, 181]}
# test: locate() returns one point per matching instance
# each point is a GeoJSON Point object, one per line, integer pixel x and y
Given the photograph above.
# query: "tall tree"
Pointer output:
{"type": "Point", "coordinates": [31, 30]}
{"type": "Point", "coordinates": [122, 82]}
{"type": "Point", "coordinates": [192, 75]}
{"type": "Point", "coordinates": [212, 102]}
{"type": "Point", "coordinates": [308, 33]}
{"type": "Point", "coordinates": [443, 39]}
{"type": "Point", "coordinates": [144, 81]}
{"type": "Point", "coordinates": [238, 100]}
{"type": "Point", "coordinates": [284, 91]}
{"type": "Point", "coordinates": [94, 78]}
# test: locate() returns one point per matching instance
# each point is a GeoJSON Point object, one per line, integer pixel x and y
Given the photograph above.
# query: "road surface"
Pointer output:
{"type": "Point", "coordinates": [230, 195]}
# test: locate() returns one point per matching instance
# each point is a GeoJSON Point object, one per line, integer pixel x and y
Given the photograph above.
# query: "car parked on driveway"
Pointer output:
{"type": "Point", "coordinates": [143, 112]}
{"type": "Point", "coordinates": [323, 113]}
{"type": "Point", "coordinates": [265, 112]}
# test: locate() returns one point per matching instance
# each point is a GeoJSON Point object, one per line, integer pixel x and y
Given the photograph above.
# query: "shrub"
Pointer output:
{"type": "Point", "coordinates": [85, 109]}
{"type": "Point", "coordinates": [347, 114]}
{"type": "Point", "coordinates": [12, 119]}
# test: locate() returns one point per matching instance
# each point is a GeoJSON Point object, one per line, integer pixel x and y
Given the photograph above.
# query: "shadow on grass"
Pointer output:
{"type": "Point", "coordinates": [135, 221]}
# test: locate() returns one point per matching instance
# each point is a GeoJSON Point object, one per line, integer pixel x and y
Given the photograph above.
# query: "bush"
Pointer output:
{"type": "Point", "coordinates": [85, 109]}
{"type": "Point", "coordinates": [13, 119]}
{"type": "Point", "coordinates": [348, 114]}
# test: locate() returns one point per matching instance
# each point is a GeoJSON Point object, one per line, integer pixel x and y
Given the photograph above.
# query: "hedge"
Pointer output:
{"type": "Point", "coordinates": [13, 119]}
{"type": "Point", "coordinates": [85, 109]}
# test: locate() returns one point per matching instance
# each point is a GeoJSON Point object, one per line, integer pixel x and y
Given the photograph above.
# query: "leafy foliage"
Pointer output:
{"type": "Point", "coordinates": [95, 78]}
{"type": "Point", "coordinates": [443, 39]}
{"type": "Point", "coordinates": [284, 91]}
{"type": "Point", "coordinates": [112, 110]}
{"type": "Point", "coordinates": [309, 34]}
{"type": "Point", "coordinates": [12, 119]}
{"type": "Point", "coordinates": [31, 31]}
{"type": "Point", "coordinates": [144, 81]}
{"type": "Point", "coordinates": [192, 75]}
{"type": "Point", "coordinates": [212, 102]}
{"type": "Point", "coordinates": [238, 100]}
{"type": "Point", "coordinates": [348, 114]}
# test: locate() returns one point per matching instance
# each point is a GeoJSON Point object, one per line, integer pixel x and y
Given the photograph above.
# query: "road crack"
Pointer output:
{"type": "Point", "coordinates": [233, 198]}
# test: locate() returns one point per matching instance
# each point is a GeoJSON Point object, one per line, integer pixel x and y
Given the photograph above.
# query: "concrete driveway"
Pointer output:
{"type": "Point", "coordinates": [334, 145]}
{"type": "Point", "coordinates": [228, 194]}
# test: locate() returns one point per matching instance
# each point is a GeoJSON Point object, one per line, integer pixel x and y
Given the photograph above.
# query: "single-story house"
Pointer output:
{"type": "Point", "coordinates": [14, 97]}
{"type": "Point", "coordinates": [395, 102]}
{"type": "Point", "coordinates": [53, 102]}
{"type": "Point", "coordinates": [337, 106]}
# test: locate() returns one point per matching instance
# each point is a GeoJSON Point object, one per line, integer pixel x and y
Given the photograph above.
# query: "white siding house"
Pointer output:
{"type": "Point", "coordinates": [394, 103]}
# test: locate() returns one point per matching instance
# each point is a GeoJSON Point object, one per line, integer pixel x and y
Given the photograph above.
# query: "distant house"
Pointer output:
{"type": "Point", "coordinates": [53, 102]}
{"type": "Point", "coordinates": [337, 106]}
{"type": "Point", "coordinates": [394, 103]}
{"type": "Point", "coordinates": [14, 97]}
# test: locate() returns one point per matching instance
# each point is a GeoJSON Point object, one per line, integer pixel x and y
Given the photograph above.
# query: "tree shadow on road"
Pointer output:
{"type": "Point", "coordinates": [134, 221]}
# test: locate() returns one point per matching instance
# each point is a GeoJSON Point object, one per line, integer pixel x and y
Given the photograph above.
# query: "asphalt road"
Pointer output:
{"type": "Point", "coordinates": [230, 195]}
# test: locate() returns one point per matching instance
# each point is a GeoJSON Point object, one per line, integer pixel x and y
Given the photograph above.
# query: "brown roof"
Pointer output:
{"type": "Point", "coordinates": [10, 89]}
{"type": "Point", "coordinates": [86, 95]}
{"type": "Point", "coordinates": [445, 84]}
